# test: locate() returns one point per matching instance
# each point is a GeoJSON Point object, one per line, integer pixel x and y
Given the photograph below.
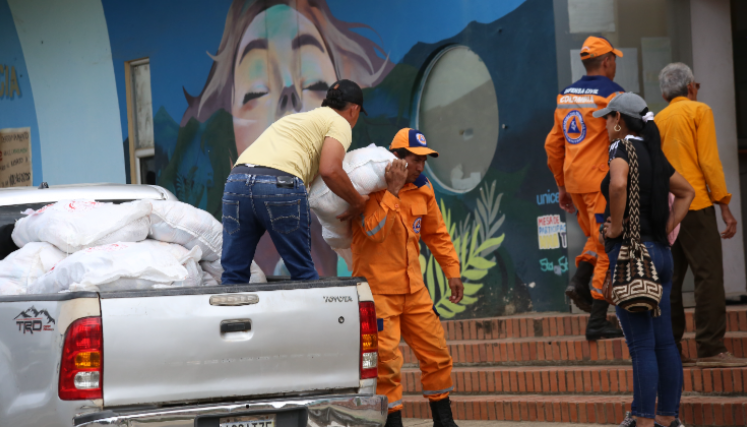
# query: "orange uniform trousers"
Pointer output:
{"type": "Point", "coordinates": [588, 205]}
{"type": "Point", "coordinates": [411, 316]}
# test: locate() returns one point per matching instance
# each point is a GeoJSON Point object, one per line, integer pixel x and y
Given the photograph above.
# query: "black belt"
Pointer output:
{"type": "Point", "coordinates": [259, 170]}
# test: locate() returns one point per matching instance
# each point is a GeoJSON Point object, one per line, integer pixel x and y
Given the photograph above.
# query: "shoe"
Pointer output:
{"type": "Point", "coordinates": [394, 419]}
{"type": "Point", "coordinates": [578, 290]}
{"type": "Point", "coordinates": [675, 423]}
{"type": "Point", "coordinates": [687, 362]}
{"type": "Point", "coordinates": [598, 326]}
{"type": "Point", "coordinates": [629, 421]}
{"type": "Point", "coordinates": [441, 411]}
{"type": "Point", "coordinates": [723, 360]}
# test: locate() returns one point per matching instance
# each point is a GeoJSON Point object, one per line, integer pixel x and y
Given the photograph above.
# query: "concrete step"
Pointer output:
{"type": "Point", "coordinates": [599, 379]}
{"type": "Point", "coordinates": [562, 350]}
{"type": "Point", "coordinates": [603, 409]}
{"type": "Point", "coordinates": [556, 325]}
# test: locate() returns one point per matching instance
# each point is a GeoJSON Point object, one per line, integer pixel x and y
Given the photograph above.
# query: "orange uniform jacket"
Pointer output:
{"type": "Point", "coordinates": [578, 145]}
{"type": "Point", "coordinates": [386, 249]}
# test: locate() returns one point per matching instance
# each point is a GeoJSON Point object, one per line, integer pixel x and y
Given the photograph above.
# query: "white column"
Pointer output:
{"type": "Point", "coordinates": [69, 61]}
{"type": "Point", "coordinates": [713, 66]}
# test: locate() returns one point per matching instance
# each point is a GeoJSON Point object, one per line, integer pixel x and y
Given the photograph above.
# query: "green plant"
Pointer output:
{"type": "Point", "coordinates": [473, 241]}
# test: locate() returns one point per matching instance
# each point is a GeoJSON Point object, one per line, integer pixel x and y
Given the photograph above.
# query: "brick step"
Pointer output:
{"type": "Point", "coordinates": [694, 410]}
{"type": "Point", "coordinates": [573, 379]}
{"type": "Point", "coordinates": [555, 350]}
{"type": "Point", "coordinates": [557, 325]}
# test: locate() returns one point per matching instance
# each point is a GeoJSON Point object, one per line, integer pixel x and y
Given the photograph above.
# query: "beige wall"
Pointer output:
{"type": "Point", "coordinates": [713, 67]}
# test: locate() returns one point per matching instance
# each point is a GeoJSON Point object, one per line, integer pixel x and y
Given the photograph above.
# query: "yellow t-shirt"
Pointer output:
{"type": "Point", "coordinates": [293, 144]}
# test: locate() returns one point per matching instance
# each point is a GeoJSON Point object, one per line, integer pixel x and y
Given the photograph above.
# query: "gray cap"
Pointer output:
{"type": "Point", "coordinates": [627, 103]}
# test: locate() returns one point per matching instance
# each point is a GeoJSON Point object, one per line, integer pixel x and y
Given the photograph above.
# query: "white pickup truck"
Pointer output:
{"type": "Point", "coordinates": [279, 354]}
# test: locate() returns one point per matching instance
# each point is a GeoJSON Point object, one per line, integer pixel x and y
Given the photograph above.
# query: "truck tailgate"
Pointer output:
{"type": "Point", "coordinates": [295, 338]}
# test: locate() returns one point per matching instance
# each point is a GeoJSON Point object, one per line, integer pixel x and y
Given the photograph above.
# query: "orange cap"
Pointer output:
{"type": "Point", "coordinates": [597, 46]}
{"type": "Point", "coordinates": [413, 141]}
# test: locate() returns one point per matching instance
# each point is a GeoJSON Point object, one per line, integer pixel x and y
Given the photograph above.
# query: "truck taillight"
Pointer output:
{"type": "Point", "coordinates": [82, 366]}
{"type": "Point", "coordinates": [369, 340]}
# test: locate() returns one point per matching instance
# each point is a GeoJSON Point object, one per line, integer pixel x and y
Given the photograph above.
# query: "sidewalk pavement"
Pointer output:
{"type": "Point", "coordinates": [417, 422]}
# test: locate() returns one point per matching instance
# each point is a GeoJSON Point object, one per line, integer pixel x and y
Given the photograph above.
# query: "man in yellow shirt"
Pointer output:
{"type": "Point", "coordinates": [688, 136]}
{"type": "Point", "coordinates": [266, 189]}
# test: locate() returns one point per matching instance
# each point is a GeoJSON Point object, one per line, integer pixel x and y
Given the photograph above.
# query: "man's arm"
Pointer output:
{"type": "Point", "coordinates": [555, 148]}
{"type": "Point", "coordinates": [435, 235]}
{"type": "Point", "coordinates": [330, 168]}
{"type": "Point", "coordinates": [713, 171]}
{"type": "Point", "coordinates": [379, 216]}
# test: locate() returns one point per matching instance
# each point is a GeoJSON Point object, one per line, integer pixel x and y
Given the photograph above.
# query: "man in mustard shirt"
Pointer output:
{"type": "Point", "coordinates": [688, 136]}
{"type": "Point", "coordinates": [386, 251]}
{"type": "Point", "coordinates": [266, 189]}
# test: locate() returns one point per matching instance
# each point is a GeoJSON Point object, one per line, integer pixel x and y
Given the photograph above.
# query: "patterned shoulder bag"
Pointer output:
{"type": "Point", "coordinates": [636, 286]}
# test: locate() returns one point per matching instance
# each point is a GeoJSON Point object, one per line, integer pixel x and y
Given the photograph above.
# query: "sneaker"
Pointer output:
{"type": "Point", "coordinates": [675, 423]}
{"type": "Point", "coordinates": [629, 421]}
{"type": "Point", "coordinates": [687, 362]}
{"type": "Point", "coordinates": [723, 360]}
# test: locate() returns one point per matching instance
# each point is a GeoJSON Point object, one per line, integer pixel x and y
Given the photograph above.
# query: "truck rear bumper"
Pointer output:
{"type": "Point", "coordinates": [318, 411]}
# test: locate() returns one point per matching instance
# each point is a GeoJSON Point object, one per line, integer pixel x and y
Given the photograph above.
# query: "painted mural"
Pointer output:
{"type": "Point", "coordinates": [20, 158]}
{"type": "Point", "coordinates": [470, 73]}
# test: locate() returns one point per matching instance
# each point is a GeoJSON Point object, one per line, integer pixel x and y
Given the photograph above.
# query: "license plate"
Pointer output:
{"type": "Point", "coordinates": [248, 421]}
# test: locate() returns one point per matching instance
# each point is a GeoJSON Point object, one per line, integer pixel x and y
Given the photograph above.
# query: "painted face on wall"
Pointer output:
{"type": "Point", "coordinates": [282, 67]}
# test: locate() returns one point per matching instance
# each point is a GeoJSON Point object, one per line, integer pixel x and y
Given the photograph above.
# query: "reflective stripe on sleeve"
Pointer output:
{"type": "Point", "coordinates": [377, 228]}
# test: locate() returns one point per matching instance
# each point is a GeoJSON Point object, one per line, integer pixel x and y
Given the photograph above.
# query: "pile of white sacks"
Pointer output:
{"type": "Point", "coordinates": [366, 168]}
{"type": "Point", "coordinates": [77, 245]}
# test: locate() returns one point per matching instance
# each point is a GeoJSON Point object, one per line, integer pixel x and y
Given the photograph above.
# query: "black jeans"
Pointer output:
{"type": "Point", "coordinates": [699, 246]}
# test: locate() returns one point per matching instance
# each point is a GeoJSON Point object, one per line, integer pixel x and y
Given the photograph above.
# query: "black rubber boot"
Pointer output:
{"type": "Point", "coordinates": [441, 411]}
{"type": "Point", "coordinates": [598, 326]}
{"type": "Point", "coordinates": [394, 419]}
{"type": "Point", "coordinates": [578, 290]}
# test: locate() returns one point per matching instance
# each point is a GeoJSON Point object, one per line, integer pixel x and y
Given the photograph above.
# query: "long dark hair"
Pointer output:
{"type": "Point", "coordinates": [660, 188]}
{"type": "Point", "coordinates": [334, 100]}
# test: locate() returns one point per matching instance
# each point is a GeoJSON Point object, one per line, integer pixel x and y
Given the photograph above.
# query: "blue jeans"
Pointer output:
{"type": "Point", "coordinates": [253, 204]}
{"type": "Point", "coordinates": [657, 367]}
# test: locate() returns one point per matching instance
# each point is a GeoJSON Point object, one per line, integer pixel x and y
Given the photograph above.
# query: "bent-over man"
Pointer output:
{"type": "Point", "coordinates": [266, 189]}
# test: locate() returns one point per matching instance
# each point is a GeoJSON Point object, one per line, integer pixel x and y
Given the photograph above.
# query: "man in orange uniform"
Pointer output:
{"type": "Point", "coordinates": [577, 154]}
{"type": "Point", "coordinates": [386, 252]}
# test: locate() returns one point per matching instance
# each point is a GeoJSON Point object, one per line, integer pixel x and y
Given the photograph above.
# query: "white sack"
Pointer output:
{"type": "Point", "coordinates": [366, 168]}
{"type": "Point", "coordinates": [347, 256]}
{"type": "Point", "coordinates": [24, 266]}
{"type": "Point", "coordinates": [72, 225]}
{"type": "Point", "coordinates": [186, 225]}
{"type": "Point", "coordinates": [214, 270]}
{"type": "Point", "coordinates": [123, 266]}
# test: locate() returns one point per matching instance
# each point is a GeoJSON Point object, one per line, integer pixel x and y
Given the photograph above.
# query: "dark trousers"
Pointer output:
{"type": "Point", "coordinates": [699, 247]}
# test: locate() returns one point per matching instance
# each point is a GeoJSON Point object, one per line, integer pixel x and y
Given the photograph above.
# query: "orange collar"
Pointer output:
{"type": "Point", "coordinates": [679, 99]}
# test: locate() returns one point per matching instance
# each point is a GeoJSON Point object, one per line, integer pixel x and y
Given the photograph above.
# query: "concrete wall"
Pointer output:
{"type": "Point", "coordinates": [713, 66]}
